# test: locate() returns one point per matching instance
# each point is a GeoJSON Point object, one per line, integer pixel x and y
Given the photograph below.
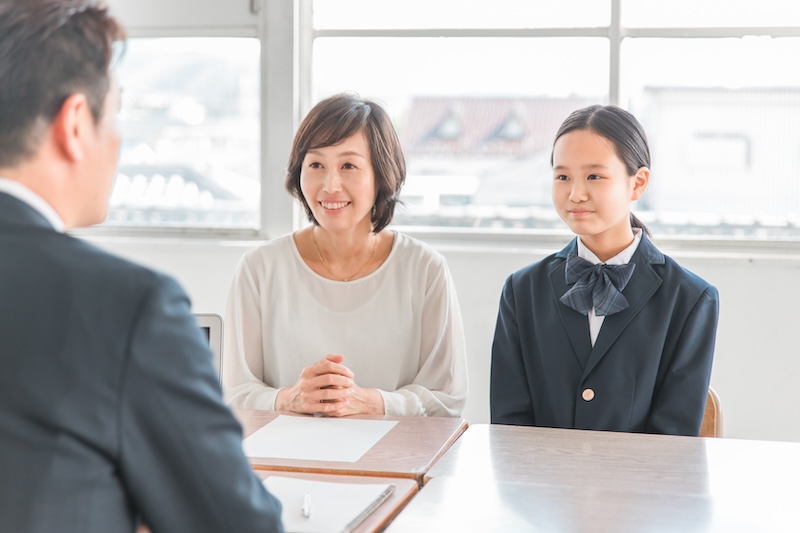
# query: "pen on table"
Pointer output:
{"type": "Point", "coordinates": [307, 505]}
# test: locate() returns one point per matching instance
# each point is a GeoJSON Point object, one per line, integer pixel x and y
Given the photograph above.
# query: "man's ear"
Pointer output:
{"type": "Point", "coordinates": [640, 181]}
{"type": "Point", "coordinates": [70, 125]}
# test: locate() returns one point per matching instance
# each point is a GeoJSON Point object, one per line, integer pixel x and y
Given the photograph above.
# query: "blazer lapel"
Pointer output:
{"type": "Point", "coordinates": [576, 325]}
{"type": "Point", "coordinates": [644, 283]}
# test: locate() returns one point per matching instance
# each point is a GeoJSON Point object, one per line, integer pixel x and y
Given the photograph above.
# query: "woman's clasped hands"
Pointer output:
{"type": "Point", "coordinates": [329, 388]}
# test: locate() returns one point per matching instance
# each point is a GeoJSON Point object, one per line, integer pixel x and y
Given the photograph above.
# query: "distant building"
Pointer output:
{"type": "Point", "coordinates": [178, 195]}
{"type": "Point", "coordinates": [481, 158]}
{"type": "Point", "coordinates": [724, 157]}
{"type": "Point", "coordinates": [724, 161]}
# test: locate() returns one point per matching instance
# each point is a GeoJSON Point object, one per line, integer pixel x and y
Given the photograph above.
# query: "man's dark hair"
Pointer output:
{"type": "Point", "coordinates": [49, 50]}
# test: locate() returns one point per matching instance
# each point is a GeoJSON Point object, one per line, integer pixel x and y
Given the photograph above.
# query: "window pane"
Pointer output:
{"type": "Point", "coordinates": [724, 129]}
{"type": "Point", "coordinates": [710, 13]}
{"type": "Point", "coordinates": [190, 126]}
{"type": "Point", "coordinates": [476, 117]}
{"type": "Point", "coordinates": [369, 14]}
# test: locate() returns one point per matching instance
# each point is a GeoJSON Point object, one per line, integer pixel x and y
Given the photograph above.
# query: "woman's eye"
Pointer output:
{"type": "Point", "coordinates": [314, 165]}
{"type": "Point", "coordinates": [561, 177]}
{"type": "Point", "coordinates": [593, 177]}
{"type": "Point", "coordinates": [348, 166]}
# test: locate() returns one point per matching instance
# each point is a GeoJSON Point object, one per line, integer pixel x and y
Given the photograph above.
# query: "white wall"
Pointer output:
{"type": "Point", "coordinates": [757, 365]}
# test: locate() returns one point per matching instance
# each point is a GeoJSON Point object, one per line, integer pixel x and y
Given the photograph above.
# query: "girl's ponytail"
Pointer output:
{"type": "Point", "coordinates": [636, 223]}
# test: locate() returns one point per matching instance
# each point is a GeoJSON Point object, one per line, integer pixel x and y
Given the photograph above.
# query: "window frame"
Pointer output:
{"type": "Point", "coordinates": [276, 24]}
{"type": "Point", "coordinates": [286, 32]}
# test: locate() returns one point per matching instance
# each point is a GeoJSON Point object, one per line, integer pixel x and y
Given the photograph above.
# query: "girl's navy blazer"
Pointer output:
{"type": "Point", "coordinates": [650, 366]}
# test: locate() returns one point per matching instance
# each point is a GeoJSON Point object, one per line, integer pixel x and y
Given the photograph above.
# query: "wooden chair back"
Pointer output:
{"type": "Point", "coordinates": [712, 419]}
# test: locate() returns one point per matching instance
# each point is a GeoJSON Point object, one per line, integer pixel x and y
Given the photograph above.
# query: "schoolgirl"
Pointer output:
{"type": "Point", "coordinates": [608, 333]}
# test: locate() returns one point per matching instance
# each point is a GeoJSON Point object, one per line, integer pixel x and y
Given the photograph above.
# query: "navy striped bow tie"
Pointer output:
{"type": "Point", "coordinates": [599, 286]}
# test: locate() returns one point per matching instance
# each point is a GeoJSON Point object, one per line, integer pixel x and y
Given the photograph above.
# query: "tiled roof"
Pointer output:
{"type": "Point", "coordinates": [484, 126]}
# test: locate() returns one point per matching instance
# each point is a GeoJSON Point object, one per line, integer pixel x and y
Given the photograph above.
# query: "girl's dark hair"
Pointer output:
{"type": "Point", "coordinates": [335, 119]}
{"type": "Point", "coordinates": [622, 129]}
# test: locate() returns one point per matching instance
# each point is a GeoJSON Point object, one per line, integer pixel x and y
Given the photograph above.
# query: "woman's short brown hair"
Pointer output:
{"type": "Point", "coordinates": [335, 119]}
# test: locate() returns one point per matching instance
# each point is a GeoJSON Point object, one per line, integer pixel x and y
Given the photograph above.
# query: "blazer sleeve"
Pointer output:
{"type": "Point", "coordinates": [441, 384]}
{"type": "Point", "coordinates": [679, 402]}
{"type": "Point", "coordinates": [180, 451]}
{"type": "Point", "coordinates": [509, 395]}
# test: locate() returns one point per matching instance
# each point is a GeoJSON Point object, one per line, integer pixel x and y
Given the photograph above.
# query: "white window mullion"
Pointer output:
{"type": "Point", "coordinates": [614, 50]}
{"type": "Point", "coordinates": [279, 82]}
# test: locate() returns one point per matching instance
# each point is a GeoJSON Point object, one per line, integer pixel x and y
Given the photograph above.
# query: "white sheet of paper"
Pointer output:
{"type": "Point", "coordinates": [333, 505]}
{"type": "Point", "coordinates": [316, 439]}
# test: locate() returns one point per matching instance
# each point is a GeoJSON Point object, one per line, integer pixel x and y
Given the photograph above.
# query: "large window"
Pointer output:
{"type": "Point", "coordinates": [213, 92]}
{"type": "Point", "coordinates": [190, 117]}
{"type": "Point", "coordinates": [724, 131]}
{"type": "Point", "coordinates": [474, 116]}
{"type": "Point", "coordinates": [477, 91]}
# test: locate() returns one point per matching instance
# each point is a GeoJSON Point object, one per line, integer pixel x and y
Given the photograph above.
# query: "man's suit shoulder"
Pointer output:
{"type": "Point", "coordinates": [85, 262]}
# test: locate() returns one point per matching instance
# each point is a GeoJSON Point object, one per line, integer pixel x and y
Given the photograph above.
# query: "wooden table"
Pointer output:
{"type": "Point", "coordinates": [502, 478]}
{"type": "Point", "coordinates": [408, 450]}
{"type": "Point", "coordinates": [405, 489]}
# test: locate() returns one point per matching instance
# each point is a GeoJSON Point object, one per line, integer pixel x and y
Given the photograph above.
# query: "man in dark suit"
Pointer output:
{"type": "Point", "coordinates": [110, 408]}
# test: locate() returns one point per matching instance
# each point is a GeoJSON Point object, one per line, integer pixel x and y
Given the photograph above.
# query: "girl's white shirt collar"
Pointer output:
{"type": "Point", "coordinates": [622, 258]}
{"type": "Point", "coordinates": [24, 194]}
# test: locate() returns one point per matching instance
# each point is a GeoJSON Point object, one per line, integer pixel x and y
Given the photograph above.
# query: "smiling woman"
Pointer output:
{"type": "Point", "coordinates": [338, 186]}
{"type": "Point", "coordinates": [347, 169]}
{"type": "Point", "coordinates": [310, 310]}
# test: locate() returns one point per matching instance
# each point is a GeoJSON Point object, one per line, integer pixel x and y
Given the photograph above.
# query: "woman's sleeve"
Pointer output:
{"type": "Point", "coordinates": [242, 355]}
{"type": "Point", "coordinates": [679, 403]}
{"type": "Point", "coordinates": [440, 386]}
{"type": "Point", "coordinates": [509, 397]}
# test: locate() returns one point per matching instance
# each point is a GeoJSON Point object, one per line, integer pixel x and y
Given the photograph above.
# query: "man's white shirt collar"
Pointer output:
{"type": "Point", "coordinates": [24, 194]}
